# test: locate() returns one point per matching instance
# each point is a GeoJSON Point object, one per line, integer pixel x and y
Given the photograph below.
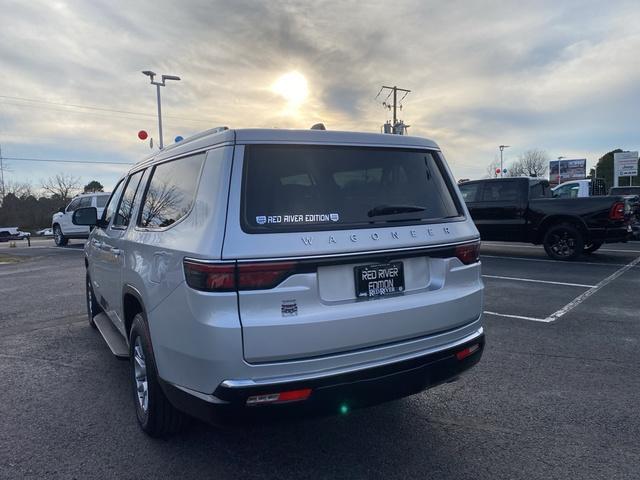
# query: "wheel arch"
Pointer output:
{"type": "Point", "coordinates": [132, 304]}
{"type": "Point", "coordinates": [552, 220]}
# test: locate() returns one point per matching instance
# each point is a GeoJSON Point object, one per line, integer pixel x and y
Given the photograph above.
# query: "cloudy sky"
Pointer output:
{"type": "Point", "coordinates": [562, 76]}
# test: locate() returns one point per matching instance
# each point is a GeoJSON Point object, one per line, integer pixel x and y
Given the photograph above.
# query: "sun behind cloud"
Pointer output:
{"type": "Point", "coordinates": [292, 87]}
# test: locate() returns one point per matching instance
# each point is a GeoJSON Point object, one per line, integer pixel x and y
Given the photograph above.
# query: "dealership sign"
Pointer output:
{"type": "Point", "coordinates": [567, 170]}
{"type": "Point", "coordinates": [625, 164]}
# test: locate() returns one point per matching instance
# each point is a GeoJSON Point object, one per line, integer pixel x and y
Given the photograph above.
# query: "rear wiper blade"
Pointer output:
{"type": "Point", "coordinates": [393, 209]}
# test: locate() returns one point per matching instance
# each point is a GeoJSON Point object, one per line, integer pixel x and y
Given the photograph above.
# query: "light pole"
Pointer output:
{"type": "Point", "coordinates": [559, 172]}
{"type": "Point", "coordinates": [502, 147]}
{"type": "Point", "coordinates": [151, 74]}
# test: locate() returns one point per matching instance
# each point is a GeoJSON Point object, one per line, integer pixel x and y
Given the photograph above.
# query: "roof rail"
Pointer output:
{"type": "Point", "coordinates": [206, 133]}
{"type": "Point", "coordinates": [211, 131]}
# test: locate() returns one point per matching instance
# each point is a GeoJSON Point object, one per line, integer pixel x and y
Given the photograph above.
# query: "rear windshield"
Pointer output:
{"type": "Point", "coordinates": [299, 188]}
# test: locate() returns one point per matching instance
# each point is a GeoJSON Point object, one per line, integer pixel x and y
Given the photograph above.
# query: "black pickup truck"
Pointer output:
{"type": "Point", "coordinates": [523, 210]}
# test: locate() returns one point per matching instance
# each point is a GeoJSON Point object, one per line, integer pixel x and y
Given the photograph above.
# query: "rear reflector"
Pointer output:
{"type": "Point", "coordinates": [468, 253]}
{"type": "Point", "coordinates": [282, 397]}
{"type": "Point", "coordinates": [462, 354]}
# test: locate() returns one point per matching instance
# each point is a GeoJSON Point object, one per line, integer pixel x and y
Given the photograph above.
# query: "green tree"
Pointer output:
{"type": "Point", "coordinates": [93, 186]}
{"type": "Point", "coordinates": [604, 169]}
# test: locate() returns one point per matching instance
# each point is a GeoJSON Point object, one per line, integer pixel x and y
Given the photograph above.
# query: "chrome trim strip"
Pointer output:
{"type": "Point", "coordinates": [243, 383]}
{"type": "Point", "coordinates": [426, 248]}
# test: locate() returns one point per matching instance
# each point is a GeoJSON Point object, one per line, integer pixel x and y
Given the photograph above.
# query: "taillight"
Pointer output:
{"type": "Point", "coordinates": [468, 253]}
{"type": "Point", "coordinates": [617, 211]}
{"type": "Point", "coordinates": [258, 276]}
{"type": "Point", "coordinates": [227, 277]}
{"type": "Point", "coordinates": [210, 277]}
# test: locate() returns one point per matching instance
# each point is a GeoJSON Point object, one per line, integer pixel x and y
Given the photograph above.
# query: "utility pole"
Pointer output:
{"type": "Point", "coordinates": [151, 74]}
{"type": "Point", "coordinates": [393, 106]}
{"type": "Point", "coordinates": [1, 175]}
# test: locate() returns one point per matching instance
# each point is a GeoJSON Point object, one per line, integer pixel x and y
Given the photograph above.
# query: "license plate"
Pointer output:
{"type": "Point", "coordinates": [379, 280]}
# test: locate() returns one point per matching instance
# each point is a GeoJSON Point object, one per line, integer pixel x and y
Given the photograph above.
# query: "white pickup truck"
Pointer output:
{"type": "Point", "coordinates": [579, 189]}
{"type": "Point", "coordinates": [61, 224]}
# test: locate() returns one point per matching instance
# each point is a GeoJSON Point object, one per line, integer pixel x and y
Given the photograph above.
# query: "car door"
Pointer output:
{"type": "Point", "coordinates": [113, 250]}
{"type": "Point", "coordinates": [68, 228]}
{"type": "Point", "coordinates": [101, 264]}
{"type": "Point", "coordinates": [499, 211]}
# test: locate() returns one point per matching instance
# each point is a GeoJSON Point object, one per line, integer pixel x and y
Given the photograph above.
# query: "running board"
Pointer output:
{"type": "Point", "coordinates": [115, 341]}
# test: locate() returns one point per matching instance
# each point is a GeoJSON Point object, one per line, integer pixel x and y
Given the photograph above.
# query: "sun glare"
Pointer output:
{"type": "Point", "coordinates": [292, 87]}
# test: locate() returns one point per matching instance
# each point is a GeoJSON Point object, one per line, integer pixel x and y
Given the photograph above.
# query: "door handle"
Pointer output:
{"type": "Point", "coordinates": [116, 251]}
{"type": "Point", "coordinates": [96, 243]}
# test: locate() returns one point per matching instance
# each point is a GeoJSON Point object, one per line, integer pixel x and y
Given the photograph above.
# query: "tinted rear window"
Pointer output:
{"type": "Point", "coordinates": [101, 200]}
{"type": "Point", "coordinates": [297, 188]}
{"type": "Point", "coordinates": [624, 191]}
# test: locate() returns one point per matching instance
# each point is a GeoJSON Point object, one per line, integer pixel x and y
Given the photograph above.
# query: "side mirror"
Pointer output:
{"type": "Point", "coordinates": [85, 216]}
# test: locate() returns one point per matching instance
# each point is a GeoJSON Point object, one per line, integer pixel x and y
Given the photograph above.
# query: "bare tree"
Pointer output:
{"type": "Point", "coordinates": [62, 185]}
{"type": "Point", "coordinates": [19, 189]}
{"type": "Point", "coordinates": [532, 163]}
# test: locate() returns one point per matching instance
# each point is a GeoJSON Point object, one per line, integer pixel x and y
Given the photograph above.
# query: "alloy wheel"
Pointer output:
{"type": "Point", "coordinates": [140, 373]}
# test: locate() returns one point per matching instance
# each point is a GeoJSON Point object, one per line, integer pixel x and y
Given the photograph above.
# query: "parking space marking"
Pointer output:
{"type": "Point", "coordinates": [539, 247]}
{"type": "Point", "coordinates": [581, 298]}
{"type": "Point", "coordinates": [557, 262]}
{"type": "Point", "coordinates": [519, 317]}
{"type": "Point", "coordinates": [538, 281]}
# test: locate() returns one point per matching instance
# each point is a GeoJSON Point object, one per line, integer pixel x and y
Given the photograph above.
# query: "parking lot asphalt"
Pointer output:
{"type": "Point", "coordinates": [555, 395]}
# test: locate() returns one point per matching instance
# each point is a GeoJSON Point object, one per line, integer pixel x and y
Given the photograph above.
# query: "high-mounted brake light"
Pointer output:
{"type": "Point", "coordinates": [468, 253]}
{"type": "Point", "coordinates": [281, 397]}
{"type": "Point", "coordinates": [617, 211]}
{"type": "Point", "coordinates": [226, 277]}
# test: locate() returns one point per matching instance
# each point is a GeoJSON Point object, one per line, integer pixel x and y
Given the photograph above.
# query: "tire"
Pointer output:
{"type": "Point", "coordinates": [591, 247]}
{"type": "Point", "coordinates": [563, 242]}
{"type": "Point", "coordinates": [59, 237]}
{"type": "Point", "coordinates": [155, 414]}
{"type": "Point", "coordinates": [93, 307]}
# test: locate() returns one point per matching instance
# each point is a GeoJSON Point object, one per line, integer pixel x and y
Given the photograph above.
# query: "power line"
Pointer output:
{"type": "Point", "coordinates": [93, 107]}
{"type": "Point", "coordinates": [55, 160]}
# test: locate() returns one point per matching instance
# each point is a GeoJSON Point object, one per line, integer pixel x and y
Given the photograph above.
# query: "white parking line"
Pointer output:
{"type": "Point", "coordinates": [581, 298]}
{"type": "Point", "coordinates": [538, 281]}
{"type": "Point", "coordinates": [519, 317]}
{"type": "Point", "coordinates": [557, 262]}
{"type": "Point", "coordinates": [576, 301]}
{"type": "Point", "coordinates": [489, 244]}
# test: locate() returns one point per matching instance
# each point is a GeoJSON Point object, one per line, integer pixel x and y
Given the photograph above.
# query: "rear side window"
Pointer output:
{"type": "Point", "coordinates": [101, 200]}
{"type": "Point", "coordinates": [470, 191]}
{"type": "Point", "coordinates": [500, 191]}
{"type": "Point", "coordinates": [85, 202]}
{"type": "Point", "coordinates": [298, 188]}
{"type": "Point", "coordinates": [171, 191]}
{"type": "Point", "coordinates": [126, 204]}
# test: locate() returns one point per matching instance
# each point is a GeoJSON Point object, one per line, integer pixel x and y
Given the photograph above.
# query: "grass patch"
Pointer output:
{"type": "Point", "coordinates": [4, 259]}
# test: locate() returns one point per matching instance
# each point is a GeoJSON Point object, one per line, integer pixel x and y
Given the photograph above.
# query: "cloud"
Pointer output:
{"type": "Point", "coordinates": [560, 76]}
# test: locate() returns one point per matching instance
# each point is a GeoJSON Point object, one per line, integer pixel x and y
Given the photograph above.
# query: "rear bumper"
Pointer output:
{"type": "Point", "coordinates": [362, 387]}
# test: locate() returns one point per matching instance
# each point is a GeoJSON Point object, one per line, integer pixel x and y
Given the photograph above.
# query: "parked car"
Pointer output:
{"type": "Point", "coordinates": [523, 210]}
{"type": "Point", "coordinates": [45, 232]}
{"type": "Point", "coordinates": [579, 189]}
{"type": "Point", "coordinates": [241, 270]}
{"type": "Point", "coordinates": [12, 233]}
{"type": "Point", "coordinates": [61, 225]}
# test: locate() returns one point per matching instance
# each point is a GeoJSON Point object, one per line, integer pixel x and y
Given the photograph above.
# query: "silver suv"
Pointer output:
{"type": "Point", "coordinates": [248, 269]}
